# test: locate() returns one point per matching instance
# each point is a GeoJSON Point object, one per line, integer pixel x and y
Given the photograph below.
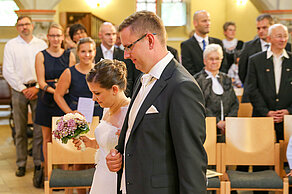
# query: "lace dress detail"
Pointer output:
{"type": "Point", "coordinates": [105, 181]}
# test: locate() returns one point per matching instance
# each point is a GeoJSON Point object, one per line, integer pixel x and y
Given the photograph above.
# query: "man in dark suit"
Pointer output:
{"type": "Point", "coordinates": [269, 79]}
{"type": "Point", "coordinates": [107, 50]}
{"type": "Point", "coordinates": [192, 49]}
{"type": "Point", "coordinates": [160, 148]}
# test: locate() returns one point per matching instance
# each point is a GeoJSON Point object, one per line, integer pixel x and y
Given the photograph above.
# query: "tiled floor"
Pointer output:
{"type": "Point", "coordinates": [9, 183]}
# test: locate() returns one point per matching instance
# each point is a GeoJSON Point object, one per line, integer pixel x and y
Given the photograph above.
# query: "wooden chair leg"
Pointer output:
{"type": "Point", "coordinates": [285, 185]}
{"type": "Point", "coordinates": [47, 188]}
{"type": "Point", "coordinates": [227, 187]}
{"type": "Point", "coordinates": [222, 187]}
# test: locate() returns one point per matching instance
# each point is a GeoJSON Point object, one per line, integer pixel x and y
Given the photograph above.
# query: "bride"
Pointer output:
{"type": "Point", "coordinates": [107, 81]}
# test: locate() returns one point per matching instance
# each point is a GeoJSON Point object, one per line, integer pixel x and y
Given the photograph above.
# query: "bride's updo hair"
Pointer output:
{"type": "Point", "coordinates": [108, 73]}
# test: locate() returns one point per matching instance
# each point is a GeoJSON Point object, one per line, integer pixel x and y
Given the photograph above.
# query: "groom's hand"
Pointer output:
{"type": "Point", "coordinates": [114, 160]}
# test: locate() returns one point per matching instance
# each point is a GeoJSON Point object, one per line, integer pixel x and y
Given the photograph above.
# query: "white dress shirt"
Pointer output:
{"type": "Point", "coordinates": [155, 73]}
{"type": "Point", "coordinates": [277, 61]}
{"type": "Point", "coordinates": [19, 61]}
{"type": "Point", "coordinates": [107, 53]}
{"type": "Point", "coordinates": [200, 40]}
{"type": "Point", "coordinates": [264, 45]}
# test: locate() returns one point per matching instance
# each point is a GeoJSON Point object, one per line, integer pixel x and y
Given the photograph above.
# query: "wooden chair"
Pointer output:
{"type": "Point", "coordinates": [284, 144]}
{"type": "Point", "coordinates": [251, 141]}
{"type": "Point", "coordinates": [245, 110]}
{"type": "Point", "coordinates": [60, 154]}
{"type": "Point", "coordinates": [213, 150]}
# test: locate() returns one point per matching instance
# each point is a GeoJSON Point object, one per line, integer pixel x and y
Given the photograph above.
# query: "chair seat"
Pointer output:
{"type": "Point", "coordinates": [267, 179]}
{"type": "Point", "coordinates": [213, 182]}
{"type": "Point", "coordinates": [69, 178]}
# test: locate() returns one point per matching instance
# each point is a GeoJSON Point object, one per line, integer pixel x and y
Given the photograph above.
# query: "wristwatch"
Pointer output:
{"type": "Point", "coordinates": [37, 86]}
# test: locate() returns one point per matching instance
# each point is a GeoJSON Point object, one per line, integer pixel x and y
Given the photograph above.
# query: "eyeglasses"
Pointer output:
{"type": "Point", "coordinates": [55, 36]}
{"type": "Point", "coordinates": [22, 25]}
{"type": "Point", "coordinates": [129, 47]}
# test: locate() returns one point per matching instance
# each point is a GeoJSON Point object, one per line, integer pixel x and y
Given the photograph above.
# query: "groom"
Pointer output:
{"type": "Point", "coordinates": [160, 148]}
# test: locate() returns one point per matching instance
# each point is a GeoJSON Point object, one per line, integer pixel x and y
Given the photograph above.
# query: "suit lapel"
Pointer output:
{"type": "Point", "coordinates": [154, 93]}
{"type": "Point", "coordinates": [99, 54]}
{"type": "Point", "coordinates": [197, 46]}
{"type": "Point", "coordinates": [269, 72]}
{"type": "Point", "coordinates": [286, 68]}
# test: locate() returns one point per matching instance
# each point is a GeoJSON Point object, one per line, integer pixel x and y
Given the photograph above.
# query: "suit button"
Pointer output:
{"type": "Point", "coordinates": [128, 183]}
{"type": "Point", "coordinates": [128, 154]}
{"type": "Point", "coordinates": [277, 100]}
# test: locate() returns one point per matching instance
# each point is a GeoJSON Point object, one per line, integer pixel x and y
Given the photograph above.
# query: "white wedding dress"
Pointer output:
{"type": "Point", "coordinates": [104, 181]}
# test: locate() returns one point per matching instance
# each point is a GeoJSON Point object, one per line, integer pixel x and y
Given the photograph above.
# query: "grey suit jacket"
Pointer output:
{"type": "Point", "coordinates": [165, 153]}
{"type": "Point", "coordinates": [192, 55]}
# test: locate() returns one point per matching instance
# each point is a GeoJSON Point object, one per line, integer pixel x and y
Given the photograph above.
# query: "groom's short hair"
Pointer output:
{"type": "Point", "coordinates": [142, 22]}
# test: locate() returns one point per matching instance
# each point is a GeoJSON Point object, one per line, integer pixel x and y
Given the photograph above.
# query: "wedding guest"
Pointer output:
{"type": "Point", "coordinates": [76, 32]}
{"type": "Point", "coordinates": [233, 72]}
{"type": "Point", "coordinates": [220, 98]}
{"type": "Point", "coordinates": [230, 43]}
{"type": "Point", "coordinates": [73, 82]}
{"type": "Point", "coordinates": [289, 156]}
{"type": "Point", "coordinates": [50, 64]}
{"type": "Point", "coordinates": [19, 72]}
{"type": "Point", "coordinates": [160, 148]}
{"type": "Point", "coordinates": [68, 42]}
{"type": "Point", "coordinates": [107, 81]}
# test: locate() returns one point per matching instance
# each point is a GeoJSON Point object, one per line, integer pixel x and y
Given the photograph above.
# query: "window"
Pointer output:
{"type": "Point", "coordinates": [149, 5]}
{"type": "Point", "coordinates": [173, 13]}
{"type": "Point", "coordinates": [7, 14]}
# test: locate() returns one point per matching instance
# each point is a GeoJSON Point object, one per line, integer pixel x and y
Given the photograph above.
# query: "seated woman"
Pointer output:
{"type": "Point", "coordinates": [107, 82]}
{"type": "Point", "coordinates": [73, 82]}
{"type": "Point", "coordinates": [220, 97]}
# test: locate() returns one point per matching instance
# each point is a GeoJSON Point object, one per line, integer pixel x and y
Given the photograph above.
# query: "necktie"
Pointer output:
{"type": "Point", "coordinates": [204, 44]}
{"type": "Point", "coordinates": [266, 47]}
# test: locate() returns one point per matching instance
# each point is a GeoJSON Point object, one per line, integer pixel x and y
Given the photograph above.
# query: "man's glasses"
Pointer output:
{"type": "Point", "coordinates": [130, 47]}
{"type": "Point", "coordinates": [22, 25]}
{"type": "Point", "coordinates": [55, 36]}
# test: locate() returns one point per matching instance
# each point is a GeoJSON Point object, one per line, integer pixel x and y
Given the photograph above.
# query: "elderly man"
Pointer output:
{"type": "Point", "coordinates": [107, 50]}
{"type": "Point", "coordinates": [160, 148]}
{"type": "Point", "coordinates": [193, 48]}
{"type": "Point", "coordinates": [19, 71]}
{"type": "Point", "coordinates": [269, 81]}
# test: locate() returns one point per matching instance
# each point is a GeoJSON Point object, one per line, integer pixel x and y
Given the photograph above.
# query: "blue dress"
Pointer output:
{"type": "Point", "coordinates": [46, 106]}
{"type": "Point", "coordinates": [79, 88]}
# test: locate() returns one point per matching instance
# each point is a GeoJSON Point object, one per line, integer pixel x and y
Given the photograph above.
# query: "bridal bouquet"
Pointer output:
{"type": "Point", "coordinates": [71, 126]}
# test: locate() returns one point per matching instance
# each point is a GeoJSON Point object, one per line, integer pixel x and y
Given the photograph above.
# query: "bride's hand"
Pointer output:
{"type": "Point", "coordinates": [77, 142]}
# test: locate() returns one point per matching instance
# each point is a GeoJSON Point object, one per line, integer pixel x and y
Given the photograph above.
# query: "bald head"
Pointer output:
{"type": "Point", "coordinates": [107, 34]}
{"type": "Point", "coordinates": [201, 21]}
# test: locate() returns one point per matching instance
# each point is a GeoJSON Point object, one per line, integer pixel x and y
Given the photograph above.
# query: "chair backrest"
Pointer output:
{"type": "Point", "coordinates": [5, 92]}
{"type": "Point", "coordinates": [250, 141]}
{"type": "Point", "coordinates": [287, 134]}
{"type": "Point", "coordinates": [245, 110]}
{"type": "Point", "coordinates": [67, 153]}
{"type": "Point", "coordinates": [211, 146]}
{"type": "Point", "coordinates": [211, 140]}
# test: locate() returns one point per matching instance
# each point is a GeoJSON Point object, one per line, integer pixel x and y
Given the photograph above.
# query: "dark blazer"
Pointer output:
{"type": "Point", "coordinates": [260, 85]}
{"type": "Point", "coordinates": [164, 152]}
{"type": "Point", "coordinates": [213, 101]}
{"type": "Point", "coordinates": [250, 48]}
{"type": "Point", "coordinates": [174, 52]}
{"type": "Point", "coordinates": [192, 55]}
{"type": "Point", "coordinates": [133, 73]}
